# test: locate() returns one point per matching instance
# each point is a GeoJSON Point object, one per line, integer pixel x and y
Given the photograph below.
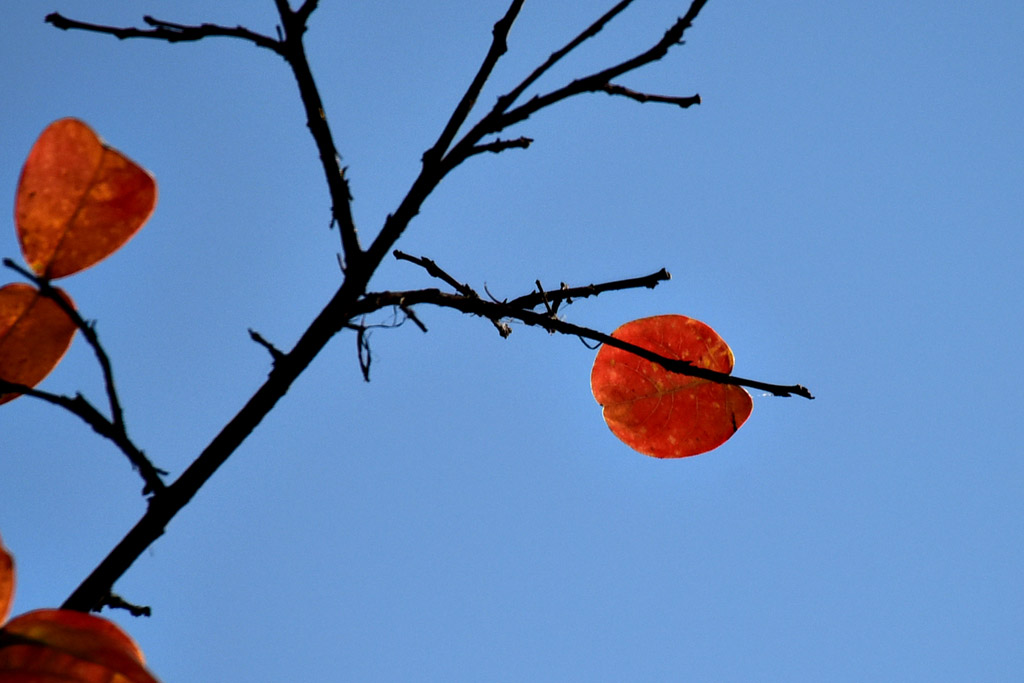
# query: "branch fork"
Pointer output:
{"type": "Point", "coordinates": [352, 300]}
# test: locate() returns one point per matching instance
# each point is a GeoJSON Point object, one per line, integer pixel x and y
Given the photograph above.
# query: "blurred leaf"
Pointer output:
{"type": "Point", "coordinates": [78, 200]}
{"type": "Point", "coordinates": [34, 335]}
{"type": "Point", "coordinates": [6, 582]}
{"type": "Point", "coordinates": [61, 645]}
{"type": "Point", "coordinates": [662, 413]}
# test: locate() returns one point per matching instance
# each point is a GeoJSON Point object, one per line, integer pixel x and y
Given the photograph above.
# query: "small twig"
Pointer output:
{"type": "Point", "coordinates": [275, 353]}
{"type": "Point", "coordinates": [499, 145]}
{"type": "Point", "coordinates": [534, 299]}
{"type": "Point", "coordinates": [411, 314]}
{"type": "Point", "coordinates": [117, 602]}
{"type": "Point", "coordinates": [684, 102]}
{"type": "Point", "coordinates": [544, 298]}
{"type": "Point", "coordinates": [435, 271]}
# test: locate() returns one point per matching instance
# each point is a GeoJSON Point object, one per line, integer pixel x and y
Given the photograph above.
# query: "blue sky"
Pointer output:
{"type": "Point", "coordinates": [844, 208]}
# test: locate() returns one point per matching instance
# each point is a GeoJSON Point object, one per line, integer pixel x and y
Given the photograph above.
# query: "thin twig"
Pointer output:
{"type": "Point", "coordinates": [534, 299]}
{"type": "Point", "coordinates": [117, 602]}
{"type": "Point", "coordinates": [501, 117]}
{"type": "Point", "coordinates": [682, 101]}
{"type": "Point", "coordinates": [505, 101]}
{"type": "Point", "coordinates": [499, 45]}
{"type": "Point", "coordinates": [80, 407]}
{"type": "Point", "coordinates": [497, 311]}
{"type": "Point", "coordinates": [499, 145]}
{"type": "Point", "coordinates": [294, 52]}
{"type": "Point", "coordinates": [275, 353]}
{"type": "Point", "coordinates": [114, 428]}
{"type": "Point", "coordinates": [166, 30]}
{"type": "Point", "coordinates": [435, 270]}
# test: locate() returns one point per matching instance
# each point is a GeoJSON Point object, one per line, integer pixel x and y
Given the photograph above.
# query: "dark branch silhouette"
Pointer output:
{"type": "Point", "coordinates": [113, 428]}
{"type": "Point", "coordinates": [352, 301]}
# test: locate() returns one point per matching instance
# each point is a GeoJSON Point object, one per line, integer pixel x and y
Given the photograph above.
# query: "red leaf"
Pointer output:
{"type": "Point", "coordinates": [78, 200]}
{"type": "Point", "coordinates": [34, 335]}
{"type": "Point", "coordinates": [662, 413]}
{"type": "Point", "coordinates": [51, 645]}
{"type": "Point", "coordinates": [6, 582]}
{"type": "Point", "coordinates": [64, 645]}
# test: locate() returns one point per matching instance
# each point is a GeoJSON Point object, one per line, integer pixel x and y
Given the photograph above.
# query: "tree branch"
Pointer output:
{"type": "Point", "coordinates": [351, 299]}
{"type": "Point", "coordinates": [163, 507]}
{"type": "Point", "coordinates": [290, 47]}
{"type": "Point", "coordinates": [167, 30]}
{"type": "Point", "coordinates": [84, 410]}
{"type": "Point", "coordinates": [114, 428]}
{"type": "Point", "coordinates": [683, 102]}
{"type": "Point", "coordinates": [294, 52]}
{"type": "Point", "coordinates": [506, 100]}
{"type": "Point", "coordinates": [497, 311]}
{"type": "Point", "coordinates": [500, 117]}
{"type": "Point", "coordinates": [435, 270]}
{"type": "Point", "coordinates": [535, 299]}
{"type": "Point", "coordinates": [499, 46]}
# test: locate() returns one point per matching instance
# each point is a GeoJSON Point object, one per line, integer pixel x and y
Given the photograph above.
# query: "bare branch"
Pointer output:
{"type": "Point", "coordinates": [497, 311]}
{"type": "Point", "coordinates": [505, 101]}
{"type": "Point", "coordinates": [294, 52]}
{"type": "Point", "coordinates": [684, 102]}
{"type": "Point", "coordinates": [499, 145]}
{"type": "Point", "coordinates": [114, 428]}
{"type": "Point", "coordinates": [501, 118]}
{"type": "Point", "coordinates": [499, 46]}
{"type": "Point", "coordinates": [534, 299]}
{"type": "Point", "coordinates": [435, 270]}
{"type": "Point", "coordinates": [167, 30]}
{"type": "Point", "coordinates": [85, 411]}
{"type": "Point", "coordinates": [290, 47]}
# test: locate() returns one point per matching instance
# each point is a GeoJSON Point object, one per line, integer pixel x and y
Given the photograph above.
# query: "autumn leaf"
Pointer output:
{"type": "Point", "coordinates": [53, 646]}
{"type": "Point", "coordinates": [34, 335]}
{"type": "Point", "coordinates": [78, 200]}
{"type": "Point", "coordinates": [661, 413]}
{"type": "Point", "coordinates": [68, 645]}
{"type": "Point", "coordinates": [6, 582]}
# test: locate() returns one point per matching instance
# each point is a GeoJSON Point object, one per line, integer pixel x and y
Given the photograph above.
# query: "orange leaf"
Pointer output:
{"type": "Point", "coordinates": [78, 200]}
{"type": "Point", "coordinates": [662, 413]}
{"type": "Point", "coordinates": [6, 582]}
{"type": "Point", "coordinates": [65, 645]}
{"type": "Point", "coordinates": [34, 335]}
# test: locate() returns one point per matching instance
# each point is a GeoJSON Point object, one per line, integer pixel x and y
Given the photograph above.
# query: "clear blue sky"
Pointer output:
{"type": "Point", "coordinates": [844, 208]}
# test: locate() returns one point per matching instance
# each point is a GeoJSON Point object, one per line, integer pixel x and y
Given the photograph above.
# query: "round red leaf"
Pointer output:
{"type": "Point", "coordinates": [662, 413]}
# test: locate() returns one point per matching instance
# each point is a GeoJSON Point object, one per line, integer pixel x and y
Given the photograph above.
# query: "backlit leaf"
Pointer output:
{"type": "Point", "coordinates": [78, 200]}
{"type": "Point", "coordinates": [34, 335]}
{"type": "Point", "coordinates": [71, 646]}
{"type": "Point", "coordinates": [662, 413]}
